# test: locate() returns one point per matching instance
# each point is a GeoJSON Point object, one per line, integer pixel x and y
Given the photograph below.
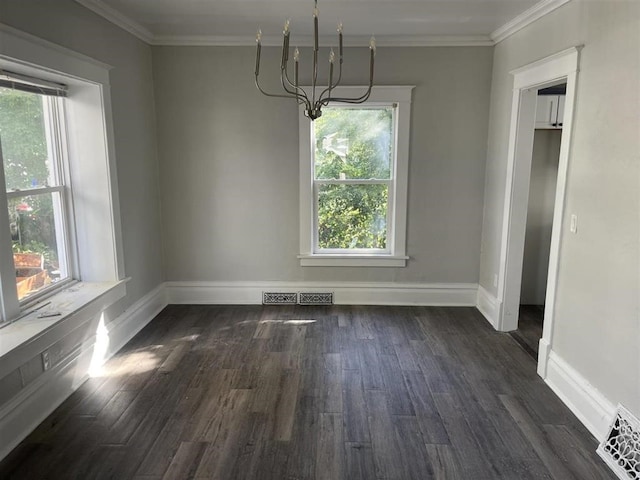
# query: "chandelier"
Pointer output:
{"type": "Point", "coordinates": [312, 101]}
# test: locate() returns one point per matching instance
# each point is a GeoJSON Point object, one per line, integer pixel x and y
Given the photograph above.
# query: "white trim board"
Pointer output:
{"type": "Point", "coordinates": [345, 293]}
{"type": "Point", "coordinates": [33, 404]}
{"type": "Point", "coordinates": [119, 19]}
{"type": "Point", "coordinates": [583, 399]}
{"type": "Point", "coordinates": [514, 25]}
{"type": "Point", "coordinates": [526, 18]}
{"type": "Point", "coordinates": [489, 306]}
{"type": "Point", "coordinates": [562, 65]}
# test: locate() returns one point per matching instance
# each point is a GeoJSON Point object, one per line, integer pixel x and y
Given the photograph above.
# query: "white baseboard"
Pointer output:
{"type": "Point", "coordinates": [34, 403]}
{"type": "Point", "coordinates": [582, 398]}
{"type": "Point", "coordinates": [544, 349]}
{"type": "Point", "coordinates": [135, 318]}
{"type": "Point", "coordinates": [39, 399]}
{"type": "Point", "coordinates": [345, 293]}
{"type": "Point", "coordinates": [489, 306]}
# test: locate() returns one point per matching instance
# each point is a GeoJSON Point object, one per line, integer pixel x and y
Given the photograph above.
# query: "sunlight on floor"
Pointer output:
{"type": "Point", "coordinates": [130, 364]}
{"type": "Point", "coordinates": [100, 348]}
{"type": "Point", "coordinates": [293, 321]}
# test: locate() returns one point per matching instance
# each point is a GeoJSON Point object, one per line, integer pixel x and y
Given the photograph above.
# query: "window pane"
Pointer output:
{"type": "Point", "coordinates": [24, 140]}
{"type": "Point", "coordinates": [354, 143]}
{"type": "Point", "coordinates": [352, 216]}
{"type": "Point", "coordinates": [37, 241]}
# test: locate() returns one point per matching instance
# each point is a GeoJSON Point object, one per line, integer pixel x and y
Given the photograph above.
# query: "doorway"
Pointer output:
{"type": "Point", "coordinates": [528, 80]}
{"type": "Point", "coordinates": [537, 242]}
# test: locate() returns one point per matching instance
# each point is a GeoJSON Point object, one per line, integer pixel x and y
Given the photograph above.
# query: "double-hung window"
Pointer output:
{"type": "Point", "coordinates": [35, 187]}
{"type": "Point", "coordinates": [353, 174]}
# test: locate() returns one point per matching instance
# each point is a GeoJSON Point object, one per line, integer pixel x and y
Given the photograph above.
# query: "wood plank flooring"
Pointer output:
{"type": "Point", "coordinates": [529, 332]}
{"type": "Point", "coordinates": [284, 393]}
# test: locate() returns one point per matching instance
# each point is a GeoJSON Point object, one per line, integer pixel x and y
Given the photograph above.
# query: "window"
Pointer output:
{"type": "Point", "coordinates": [32, 149]}
{"type": "Point", "coordinates": [353, 173]}
{"type": "Point", "coordinates": [59, 210]}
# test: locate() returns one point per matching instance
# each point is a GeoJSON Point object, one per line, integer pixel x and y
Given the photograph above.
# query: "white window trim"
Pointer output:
{"type": "Point", "coordinates": [99, 249]}
{"type": "Point", "coordinates": [396, 254]}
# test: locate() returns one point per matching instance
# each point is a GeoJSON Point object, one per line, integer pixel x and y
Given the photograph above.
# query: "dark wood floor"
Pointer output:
{"type": "Point", "coordinates": [253, 392]}
{"type": "Point", "coordinates": [529, 332]}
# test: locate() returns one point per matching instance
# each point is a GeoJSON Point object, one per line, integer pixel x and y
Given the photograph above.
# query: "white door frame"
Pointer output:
{"type": "Point", "coordinates": [558, 67]}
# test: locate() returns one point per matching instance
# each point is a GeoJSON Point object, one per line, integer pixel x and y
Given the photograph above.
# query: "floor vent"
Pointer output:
{"type": "Point", "coordinates": [316, 298]}
{"type": "Point", "coordinates": [278, 298]}
{"type": "Point", "coordinates": [621, 447]}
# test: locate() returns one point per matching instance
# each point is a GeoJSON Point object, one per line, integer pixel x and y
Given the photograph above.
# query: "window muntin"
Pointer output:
{"type": "Point", "coordinates": [353, 168]}
{"type": "Point", "coordinates": [31, 136]}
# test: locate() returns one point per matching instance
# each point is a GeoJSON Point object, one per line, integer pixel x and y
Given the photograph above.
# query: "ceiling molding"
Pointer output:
{"type": "Point", "coordinates": [119, 19]}
{"type": "Point", "coordinates": [539, 10]}
{"type": "Point", "coordinates": [527, 17]}
{"type": "Point", "coordinates": [307, 41]}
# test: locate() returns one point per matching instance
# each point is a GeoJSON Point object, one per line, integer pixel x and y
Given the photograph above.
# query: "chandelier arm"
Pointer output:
{"type": "Point", "coordinates": [299, 92]}
{"type": "Point", "coordinates": [314, 79]}
{"type": "Point", "coordinates": [284, 85]}
{"type": "Point", "coordinates": [361, 99]}
{"type": "Point", "coordinates": [272, 94]}
{"type": "Point", "coordinates": [331, 87]}
{"type": "Point", "coordinates": [351, 101]}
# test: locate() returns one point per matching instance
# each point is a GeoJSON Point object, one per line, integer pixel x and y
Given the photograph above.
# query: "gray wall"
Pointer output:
{"type": "Point", "coordinates": [229, 163]}
{"type": "Point", "coordinates": [71, 25]}
{"type": "Point", "coordinates": [542, 191]}
{"type": "Point", "coordinates": [596, 326]}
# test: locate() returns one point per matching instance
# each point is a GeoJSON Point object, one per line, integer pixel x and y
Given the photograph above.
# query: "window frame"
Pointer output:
{"type": "Point", "coordinates": [395, 253]}
{"type": "Point", "coordinates": [59, 183]}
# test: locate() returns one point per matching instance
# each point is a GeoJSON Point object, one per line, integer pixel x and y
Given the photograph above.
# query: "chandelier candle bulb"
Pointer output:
{"type": "Point", "coordinates": [296, 58]}
{"type": "Point", "coordinates": [315, 28]}
{"type": "Point", "coordinates": [372, 44]}
{"type": "Point", "coordinates": [286, 26]}
{"type": "Point", "coordinates": [332, 59]}
{"type": "Point", "coordinates": [259, 47]}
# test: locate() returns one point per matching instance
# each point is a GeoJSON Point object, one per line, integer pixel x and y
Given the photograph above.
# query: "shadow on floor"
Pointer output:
{"type": "Point", "coordinates": [529, 330]}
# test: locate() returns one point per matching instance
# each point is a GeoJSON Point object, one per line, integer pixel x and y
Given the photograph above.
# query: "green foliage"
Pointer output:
{"type": "Point", "coordinates": [24, 144]}
{"type": "Point", "coordinates": [25, 162]}
{"type": "Point", "coordinates": [352, 216]}
{"type": "Point", "coordinates": [353, 144]}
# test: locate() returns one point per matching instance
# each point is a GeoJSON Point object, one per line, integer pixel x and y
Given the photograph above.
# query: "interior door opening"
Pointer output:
{"type": "Point", "coordinates": [543, 178]}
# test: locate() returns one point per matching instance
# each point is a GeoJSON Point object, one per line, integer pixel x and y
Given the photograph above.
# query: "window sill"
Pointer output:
{"type": "Point", "coordinates": [336, 260]}
{"type": "Point", "coordinates": [76, 304]}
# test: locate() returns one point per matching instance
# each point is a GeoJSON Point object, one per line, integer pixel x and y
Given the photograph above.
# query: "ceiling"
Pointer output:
{"type": "Point", "coordinates": [394, 22]}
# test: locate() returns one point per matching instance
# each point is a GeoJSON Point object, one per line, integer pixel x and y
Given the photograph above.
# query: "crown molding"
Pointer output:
{"type": "Point", "coordinates": [119, 19]}
{"type": "Point", "coordinates": [307, 41]}
{"type": "Point", "coordinates": [527, 17]}
{"type": "Point", "coordinates": [116, 17]}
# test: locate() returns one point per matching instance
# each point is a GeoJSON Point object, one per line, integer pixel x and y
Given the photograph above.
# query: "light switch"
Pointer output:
{"type": "Point", "coordinates": [573, 228]}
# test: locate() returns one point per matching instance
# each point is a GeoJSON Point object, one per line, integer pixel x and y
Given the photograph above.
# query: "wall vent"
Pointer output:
{"type": "Point", "coordinates": [621, 447]}
{"type": "Point", "coordinates": [315, 298]}
{"type": "Point", "coordinates": [279, 298]}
